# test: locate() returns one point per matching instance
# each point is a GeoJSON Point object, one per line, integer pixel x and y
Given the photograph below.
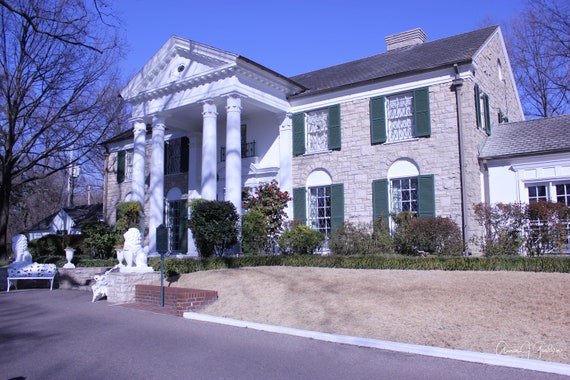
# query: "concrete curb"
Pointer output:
{"type": "Point", "coordinates": [468, 356]}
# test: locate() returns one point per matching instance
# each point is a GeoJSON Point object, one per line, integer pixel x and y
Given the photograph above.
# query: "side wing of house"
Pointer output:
{"type": "Point", "coordinates": [402, 140]}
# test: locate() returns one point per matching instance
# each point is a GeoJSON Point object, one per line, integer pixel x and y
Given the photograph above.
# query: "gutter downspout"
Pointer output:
{"type": "Point", "coordinates": [456, 85]}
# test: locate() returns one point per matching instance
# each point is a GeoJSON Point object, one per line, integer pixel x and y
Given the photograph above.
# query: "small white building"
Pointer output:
{"type": "Point", "coordinates": [68, 221]}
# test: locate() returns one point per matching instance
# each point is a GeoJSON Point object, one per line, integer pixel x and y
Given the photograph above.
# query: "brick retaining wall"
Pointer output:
{"type": "Point", "coordinates": [179, 299]}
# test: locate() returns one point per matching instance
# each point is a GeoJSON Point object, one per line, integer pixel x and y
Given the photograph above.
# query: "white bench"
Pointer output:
{"type": "Point", "coordinates": [33, 271]}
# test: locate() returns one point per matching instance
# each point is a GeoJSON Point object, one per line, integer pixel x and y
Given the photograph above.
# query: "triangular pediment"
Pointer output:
{"type": "Point", "coordinates": [178, 61]}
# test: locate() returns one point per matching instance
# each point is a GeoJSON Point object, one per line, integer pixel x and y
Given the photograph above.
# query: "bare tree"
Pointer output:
{"type": "Point", "coordinates": [57, 90]}
{"type": "Point", "coordinates": [538, 41]}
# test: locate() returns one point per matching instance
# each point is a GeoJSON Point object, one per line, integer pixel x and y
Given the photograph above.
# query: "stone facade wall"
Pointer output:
{"type": "Point", "coordinates": [122, 286]}
{"type": "Point", "coordinates": [359, 162]}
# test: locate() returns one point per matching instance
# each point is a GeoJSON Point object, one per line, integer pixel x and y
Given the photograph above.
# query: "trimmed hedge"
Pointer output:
{"type": "Point", "coordinates": [561, 264]}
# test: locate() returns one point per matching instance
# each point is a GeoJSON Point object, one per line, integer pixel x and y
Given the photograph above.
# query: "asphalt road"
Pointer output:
{"type": "Point", "coordinates": [62, 335]}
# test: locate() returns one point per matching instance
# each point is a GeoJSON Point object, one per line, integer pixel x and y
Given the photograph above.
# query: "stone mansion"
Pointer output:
{"type": "Point", "coordinates": [398, 131]}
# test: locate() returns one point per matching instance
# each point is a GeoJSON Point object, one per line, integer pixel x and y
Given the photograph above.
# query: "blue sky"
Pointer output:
{"type": "Point", "coordinates": [297, 36]}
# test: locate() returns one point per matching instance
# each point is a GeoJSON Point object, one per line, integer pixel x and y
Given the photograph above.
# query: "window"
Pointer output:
{"type": "Point", "coordinates": [320, 204]}
{"type": "Point", "coordinates": [404, 195]}
{"type": "Point", "coordinates": [316, 131]}
{"type": "Point", "coordinates": [563, 193]}
{"type": "Point", "coordinates": [125, 165]}
{"type": "Point", "coordinates": [550, 191]}
{"type": "Point", "coordinates": [176, 156]}
{"type": "Point", "coordinates": [177, 213]}
{"type": "Point", "coordinates": [537, 193]}
{"type": "Point", "coordinates": [413, 194]}
{"type": "Point", "coordinates": [319, 217]}
{"type": "Point", "coordinates": [483, 114]}
{"type": "Point", "coordinates": [400, 117]}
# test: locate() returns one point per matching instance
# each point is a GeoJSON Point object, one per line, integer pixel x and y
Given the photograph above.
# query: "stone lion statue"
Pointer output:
{"type": "Point", "coordinates": [22, 256]}
{"type": "Point", "coordinates": [133, 250]}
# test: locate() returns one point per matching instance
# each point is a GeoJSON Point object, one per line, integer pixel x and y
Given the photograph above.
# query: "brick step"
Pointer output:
{"type": "Point", "coordinates": [176, 299]}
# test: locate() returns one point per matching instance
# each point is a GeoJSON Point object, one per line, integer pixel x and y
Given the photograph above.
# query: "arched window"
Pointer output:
{"type": "Point", "coordinates": [404, 190]}
{"type": "Point", "coordinates": [320, 204]}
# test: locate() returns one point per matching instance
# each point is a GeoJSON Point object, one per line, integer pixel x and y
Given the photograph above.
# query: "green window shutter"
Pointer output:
{"type": "Point", "coordinates": [183, 232]}
{"type": "Point", "coordinates": [478, 106]}
{"type": "Point", "coordinates": [426, 196]}
{"type": "Point", "coordinates": [184, 154]}
{"type": "Point", "coordinates": [421, 112]}
{"type": "Point", "coordinates": [300, 205]}
{"type": "Point", "coordinates": [337, 206]}
{"type": "Point", "coordinates": [487, 114]}
{"type": "Point", "coordinates": [298, 134]}
{"type": "Point", "coordinates": [121, 166]}
{"type": "Point", "coordinates": [377, 120]}
{"type": "Point", "coordinates": [380, 204]}
{"type": "Point", "coordinates": [334, 127]}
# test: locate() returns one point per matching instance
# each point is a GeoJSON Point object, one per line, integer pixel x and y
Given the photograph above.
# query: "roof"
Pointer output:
{"type": "Point", "coordinates": [523, 138]}
{"type": "Point", "coordinates": [79, 215]}
{"type": "Point", "coordinates": [403, 61]}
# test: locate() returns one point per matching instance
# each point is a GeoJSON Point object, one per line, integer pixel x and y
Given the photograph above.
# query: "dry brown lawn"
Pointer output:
{"type": "Point", "coordinates": [513, 313]}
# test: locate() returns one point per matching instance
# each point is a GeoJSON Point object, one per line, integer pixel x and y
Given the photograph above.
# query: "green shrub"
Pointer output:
{"type": "Point", "coordinates": [350, 239]}
{"type": "Point", "coordinates": [436, 235]}
{"type": "Point", "coordinates": [546, 232]}
{"type": "Point", "coordinates": [254, 237]}
{"type": "Point", "coordinates": [128, 215]}
{"type": "Point", "coordinates": [270, 201]}
{"type": "Point", "coordinates": [214, 226]}
{"type": "Point", "coordinates": [502, 225]}
{"type": "Point", "coordinates": [174, 266]}
{"type": "Point", "coordinates": [48, 245]}
{"type": "Point", "coordinates": [99, 240]}
{"type": "Point", "coordinates": [300, 240]}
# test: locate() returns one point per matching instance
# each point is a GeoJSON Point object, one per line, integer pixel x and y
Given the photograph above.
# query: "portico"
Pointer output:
{"type": "Point", "coordinates": [194, 110]}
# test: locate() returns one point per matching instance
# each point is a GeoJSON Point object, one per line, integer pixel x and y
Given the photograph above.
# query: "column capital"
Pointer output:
{"type": "Point", "coordinates": [139, 126]}
{"type": "Point", "coordinates": [158, 120]}
{"type": "Point", "coordinates": [233, 102]}
{"type": "Point", "coordinates": [209, 108]}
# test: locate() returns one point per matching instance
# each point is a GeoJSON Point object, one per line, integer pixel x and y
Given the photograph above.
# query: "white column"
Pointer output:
{"type": "Point", "coordinates": [233, 152]}
{"type": "Point", "coordinates": [156, 191]}
{"type": "Point", "coordinates": [209, 146]}
{"type": "Point", "coordinates": [139, 161]}
{"type": "Point", "coordinates": [285, 157]}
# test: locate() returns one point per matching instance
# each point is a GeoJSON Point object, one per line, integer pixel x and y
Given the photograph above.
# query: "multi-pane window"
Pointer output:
{"type": "Point", "coordinates": [173, 153]}
{"type": "Point", "coordinates": [129, 165]}
{"type": "Point", "coordinates": [563, 193]}
{"type": "Point", "coordinates": [404, 195]}
{"type": "Point", "coordinates": [174, 224]}
{"type": "Point", "coordinates": [537, 193]}
{"type": "Point", "coordinates": [320, 209]}
{"type": "Point", "coordinates": [176, 156]}
{"type": "Point", "coordinates": [317, 130]}
{"type": "Point", "coordinates": [400, 115]}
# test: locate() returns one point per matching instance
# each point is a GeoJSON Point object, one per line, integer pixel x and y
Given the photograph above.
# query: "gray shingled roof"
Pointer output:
{"type": "Point", "coordinates": [540, 136]}
{"type": "Point", "coordinates": [404, 61]}
{"type": "Point", "coordinates": [79, 215]}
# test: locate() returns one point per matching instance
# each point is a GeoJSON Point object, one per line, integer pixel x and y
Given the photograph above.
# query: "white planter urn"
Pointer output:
{"type": "Point", "coordinates": [69, 256]}
{"type": "Point", "coordinates": [120, 255]}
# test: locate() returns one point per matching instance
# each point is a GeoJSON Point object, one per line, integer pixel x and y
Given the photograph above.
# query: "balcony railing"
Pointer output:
{"type": "Point", "coordinates": [247, 150]}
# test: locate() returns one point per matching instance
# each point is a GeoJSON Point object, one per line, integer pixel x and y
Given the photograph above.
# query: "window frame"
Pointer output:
{"type": "Point", "coordinates": [421, 123]}
{"type": "Point", "coordinates": [300, 131]}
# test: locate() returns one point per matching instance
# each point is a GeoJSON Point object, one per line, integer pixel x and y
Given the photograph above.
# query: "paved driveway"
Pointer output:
{"type": "Point", "coordinates": [62, 335]}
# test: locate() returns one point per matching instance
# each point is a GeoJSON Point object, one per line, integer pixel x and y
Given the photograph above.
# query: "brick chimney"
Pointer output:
{"type": "Point", "coordinates": [404, 39]}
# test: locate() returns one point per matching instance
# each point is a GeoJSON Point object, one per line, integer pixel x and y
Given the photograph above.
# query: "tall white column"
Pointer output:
{"type": "Point", "coordinates": [233, 152]}
{"type": "Point", "coordinates": [139, 161]}
{"type": "Point", "coordinates": [156, 191]}
{"type": "Point", "coordinates": [209, 146]}
{"type": "Point", "coordinates": [285, 156]}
